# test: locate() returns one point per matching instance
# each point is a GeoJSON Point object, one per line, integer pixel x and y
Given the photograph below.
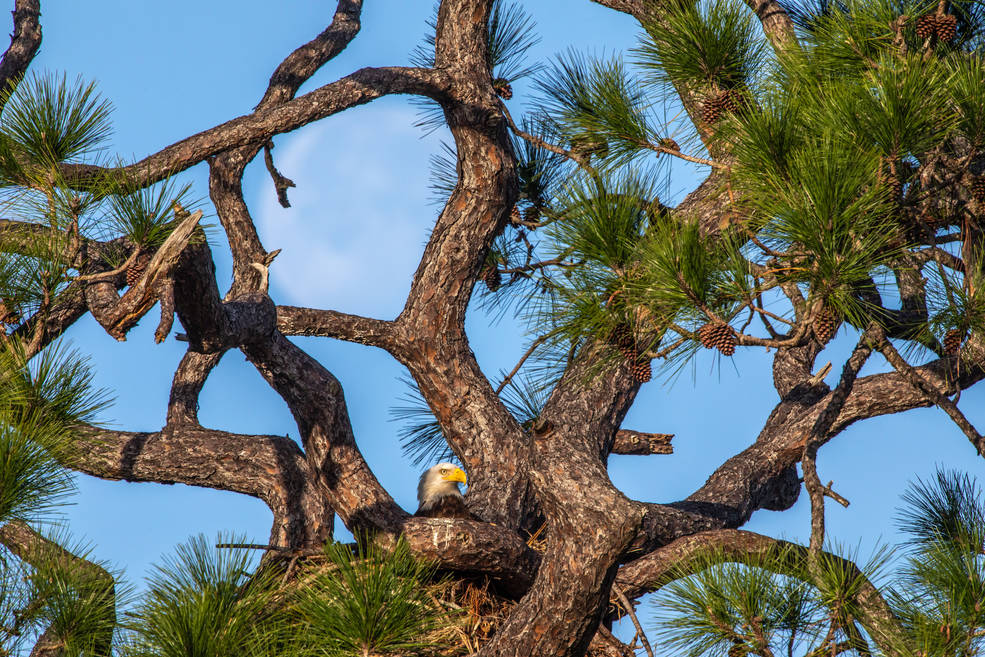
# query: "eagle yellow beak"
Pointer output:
{"type": "Point", "coordinates": [456, 475]}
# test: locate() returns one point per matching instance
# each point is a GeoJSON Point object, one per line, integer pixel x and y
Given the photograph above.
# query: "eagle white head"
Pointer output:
{"type": "Point", "coordinates": [438, 482]}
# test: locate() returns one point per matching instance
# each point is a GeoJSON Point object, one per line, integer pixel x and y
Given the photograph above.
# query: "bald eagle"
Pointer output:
{"type": "Point", "coordinates": [438, 495]}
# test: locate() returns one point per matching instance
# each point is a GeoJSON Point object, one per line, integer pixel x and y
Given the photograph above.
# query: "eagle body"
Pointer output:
{"type": "Point", "coordinates": [438, 495]}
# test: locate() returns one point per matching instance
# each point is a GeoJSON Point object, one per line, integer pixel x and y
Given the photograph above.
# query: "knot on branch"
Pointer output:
{"type": "Point", "coordinates": [783, 491]}
{"type": "Point", "coordinates": [251, 318]}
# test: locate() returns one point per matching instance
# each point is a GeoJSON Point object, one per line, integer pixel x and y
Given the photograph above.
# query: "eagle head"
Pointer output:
{"type": "Point", "coordinates": [440, 485]}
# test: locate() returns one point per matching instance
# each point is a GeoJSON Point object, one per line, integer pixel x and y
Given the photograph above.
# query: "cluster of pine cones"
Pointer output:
{"type": "Point", "coordinates": [953, 340]}
{"type": "Point", "coordinates": [944, 26]}
{"type": "Point", "coordinates": [623, 340]}
{"type": "Point", "coordinates": [727, 101]}
{"type": "Point", "coordinates": [718, 335]}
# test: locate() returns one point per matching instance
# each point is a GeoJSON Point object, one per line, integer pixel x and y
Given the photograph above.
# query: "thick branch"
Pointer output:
{"type": "Point", "coordinates": [361, 87]}
{"type": "Point", "coordinates": [316, 400]}
{"type": "Point", "coordinates": [119, 317]}
{"type": "Point", "coordinates": [24, 43]}
{"type": "Point", "coordinates": [270, 468]}
{"type": "Point", "coordinates": [189, 379]}
{"type": "Point", "coordinates": [292, 320]}
{"type": "Point", "coordinates": [640, 443]}
{"type": "Point", "coordinates": [694, 553]}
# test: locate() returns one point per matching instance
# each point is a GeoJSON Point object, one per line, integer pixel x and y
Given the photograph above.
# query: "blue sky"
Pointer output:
{"type": "Point", "coordinates": [360, 217]}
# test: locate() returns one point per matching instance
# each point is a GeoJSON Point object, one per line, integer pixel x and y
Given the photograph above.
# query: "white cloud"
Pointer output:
{"type": "Point", "coordinates": [360, 213]}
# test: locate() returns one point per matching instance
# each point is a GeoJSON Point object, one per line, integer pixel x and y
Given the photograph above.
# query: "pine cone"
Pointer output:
{"type": "Point", "coordinates": [670, 144]}
{"type": "Point", "coordinates": [641, 370]}
{"type": "Point", "coordinates": [490, 276]}
{"type": "Point", "coordinates": [502, 88]}
{"type": "Point", "coordinates": [718, 336]}
{"type": "Point", "coordinates": [978, 189]}
{"type": "Point", "coordinates": [707, 335]}
{"type": "Point", "coordinates": [953, 340]}
{"type": "Point", "coordinates": [926, 26]}
{"type": "Point", "coordinates": [711, 109]}
{"type": "Point", "coordinates": [136, 270]}
{"type": "Point", "coordinates": [8, 315]}
{"type": "Point", "coordinates": [515, 216]}
{"type": "Point", "coordinates": [732, 100]}
{"type": "Point", "coordinates": [531, 214]}
{"type": "Point", "coordinates": [726, 340]}
{"type": "Point", "coordinates": [895, 186]}
{"type": "Point", "coordinates": [947, 27]}
{"type": "Point", "coordinates": [825, 325]}
{"type": "Point", "coordinates": [622, 339]}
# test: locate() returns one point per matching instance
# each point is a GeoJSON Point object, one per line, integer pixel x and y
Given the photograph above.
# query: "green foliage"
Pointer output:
{"type": "Point", "coordinates": [145, 215]}
{"type": "Point", "coordinates": [421, 437]}
{"type": "Point", "coordinates": [967, 86]}
{"type": "Point", "coordinates": [203, 602]}
{"type": "Point", "coordinates": [596, 106]}
{"type": "Point", "coordinates": [41, 405]}
{"type": "Point", "coordinates": [943, 580]}
{"type": "Point", "coordinates": [14, 599]}
{"type": "Point", "coordinates": [72, 600]}
{"type": "Point", "coordinates": [703, 44]}
{"type": "Point", "coordinates": [52, 120]}
{"type": "Point", "coordinates": [511, 34]}
{"type": "Point", "coordinates": [600, 220]}
{"type": "Point", "coordinates": [370, 601]}
{"type": "Point", "coordinates": [782, 599]}
{"type": "Point", "coordinates": [31, 480]}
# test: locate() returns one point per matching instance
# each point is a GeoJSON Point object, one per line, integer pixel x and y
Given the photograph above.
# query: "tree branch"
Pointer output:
{"type": "Point", "coordinates": [270, 468]}
{"type": "Point", "coordinates": [118, 318]}
{"type": "Point", "coordinates": [292, 320]}
{"type": "Point", "coordinates": [358, 88]}
{"type": "Point", "coordinates": [932, 393]}
{"type": "Point", "coordinates": [640, 443]}
{"type": "Point", "coordinates": [690, 554]}
{"type": "Point", "coordinates": [24, 44]}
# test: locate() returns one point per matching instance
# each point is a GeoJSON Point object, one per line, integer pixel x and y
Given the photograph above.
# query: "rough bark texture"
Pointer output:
{"type": "Point", "coordinates": [551, 476]}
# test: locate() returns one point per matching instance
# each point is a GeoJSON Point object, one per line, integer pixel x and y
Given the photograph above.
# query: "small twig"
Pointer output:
{"type": "Point", "coordinates": [252, 546]}
{"type": "Point", "coordinates": [536, 343]}
{"type": "Point", "coordinates": [829, 492]}
{"type": "Point", "coordinates": [677, 153]}
{"type": "Point", "coordinates": [932, 393]}
{"type": "Point", "coordinates": [580, 160]}
{"type": "Point", "coordinates": [663, 353]}
{"type": "Point", "coordinates": [763, 311]}
{"type": "Point", "coordinates": [815, 491]}
{"type": "Point", "coordinates": [632, 615]}
{"type": "Point", "coordinates": [819, 432]}
{"type": "Point", "coordinates": [553, 262]}
{"type": "Point", "coordinates": [281, 184]}
{"type": "Point", "coordinates": [819, 375]}
{"type": "Point", "coordinates": [106, 275]}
